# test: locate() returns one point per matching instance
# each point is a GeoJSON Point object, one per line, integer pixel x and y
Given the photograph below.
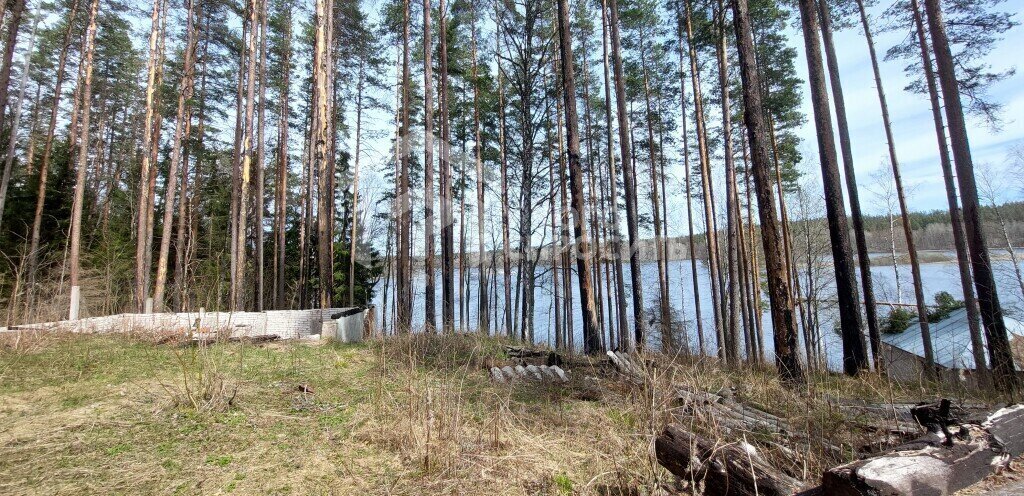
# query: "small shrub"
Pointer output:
{"type": "Point", "coordinates": [897, 321]}
{"type": "Point", "coordinates": [945, 304]}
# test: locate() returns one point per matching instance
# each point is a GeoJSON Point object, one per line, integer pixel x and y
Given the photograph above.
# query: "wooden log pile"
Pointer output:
{"type": "Point", "coordinates": [953, 454]}
{"type": "Point", "coordinates": [721, 468]}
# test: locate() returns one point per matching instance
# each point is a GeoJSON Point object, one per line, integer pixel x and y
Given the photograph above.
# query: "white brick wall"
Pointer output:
{"type": "Point", "coordinates": [288, 324]}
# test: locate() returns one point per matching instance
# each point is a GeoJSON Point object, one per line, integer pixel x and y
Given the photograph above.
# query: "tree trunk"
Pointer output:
{"type": "Point", "coordinates": [691, 248]}
{"type": "Point", "coordinates": [955, 214]}
{"type": "Point", "coordinates": [784, 323]}
{"type": "Point", "coordinates": [667, 343]}
{"type": "Point", "coordinates": [322, 162]}
{"type": "Point", "coordinates": [281, 188]}
{"type": "Point", "coordinates": [731, 199]}
{"type": "Point", "coordinates": [44, 168]}
{"type": "Point", "coordinates": [145, 198]}
{"type": "Point", "coordinates": [12, 142]}
{"type": "Point", "coordinates": [10, 46]}
{"type": "Point", "coordinates": [855, 357]}
{"type": "Point", "coordinates": [261, 162]}
{"type": "Point", "coordinates": [984, 282]}
{"type": "Point", "coordinates": [447, 228]}
{"type": "Point", "coordinates": [629, 180]}
{"type": "Point", "coordinates": [185, 92]}
{"type": "Point", "coordinates": [88, 50]}
{"type": "Point", "coordinates": [616, 248]}
{"type": "Point", "coordinates": [505, 241]}
{"type": "Point", "coordinates": [591, 336]}
{"type": "Point", "coordinates": [710, 233]}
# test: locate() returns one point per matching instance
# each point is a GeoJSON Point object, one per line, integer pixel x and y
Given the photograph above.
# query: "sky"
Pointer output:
{"type": "Point", "coordinates": [914, 132]}
{"type": "Point", "coordinates": [913, 129]}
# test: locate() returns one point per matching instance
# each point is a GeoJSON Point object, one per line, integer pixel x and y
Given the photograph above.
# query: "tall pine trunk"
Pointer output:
{"type": "Point", "coordinates": [854, 354]}
{"type": "Point", "coordinates": [787, 358]}
{"type": "Point", "coordinates": [185, 92]}
{"type": "Point", "coordinates": [447, 228]}
{"type": "Point", "coordinates": [955, 214]}
{"type": "Point", "coordinates": [988, 300]}
{"type": "Point", "coordinates": [75, 249]}
{"type": "Point", "coordinates": [629, 181]}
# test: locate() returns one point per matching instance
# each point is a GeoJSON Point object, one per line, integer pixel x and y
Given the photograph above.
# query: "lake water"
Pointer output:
{"type": "Point", "coordinates": [936, 276]}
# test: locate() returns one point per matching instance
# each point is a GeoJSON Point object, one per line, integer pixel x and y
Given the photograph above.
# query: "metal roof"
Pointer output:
{"type": "Point", "coordinates": [951, 339]}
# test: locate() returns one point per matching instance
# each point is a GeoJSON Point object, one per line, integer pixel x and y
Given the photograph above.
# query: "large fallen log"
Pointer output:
{"type": "Point", "coordinates": [950, 457]}
{"type": "Point", "coordinates": [724, 469]}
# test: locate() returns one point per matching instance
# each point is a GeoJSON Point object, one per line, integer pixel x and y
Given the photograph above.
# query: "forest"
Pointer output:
{"type": "Point", "coordinates": [570, 179]}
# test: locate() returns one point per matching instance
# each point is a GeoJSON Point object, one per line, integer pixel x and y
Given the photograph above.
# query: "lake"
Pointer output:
{"type": "Point", "coordinates": [936, 276]}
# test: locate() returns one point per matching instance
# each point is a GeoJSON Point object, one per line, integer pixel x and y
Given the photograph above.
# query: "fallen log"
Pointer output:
{"type": "Point", "coordinates": [950, 457]}
{"type": "Point", "coordinates": [724, 469]}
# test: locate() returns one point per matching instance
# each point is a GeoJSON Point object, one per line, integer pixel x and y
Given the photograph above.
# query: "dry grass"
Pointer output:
{"type": "Point", "coordinates": [407, 415]}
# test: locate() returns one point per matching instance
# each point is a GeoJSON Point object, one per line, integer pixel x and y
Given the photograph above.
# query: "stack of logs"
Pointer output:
{"type": "Point", "coordinates": [954, 453]}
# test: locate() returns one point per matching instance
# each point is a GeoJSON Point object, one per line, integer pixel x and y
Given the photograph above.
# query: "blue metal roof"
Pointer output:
{"type": "Point", "coordinates": [951, 339]}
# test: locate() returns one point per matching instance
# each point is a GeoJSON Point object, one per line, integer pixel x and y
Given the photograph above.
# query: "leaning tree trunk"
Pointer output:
{"type": "Point", "coordinates": [851, 178]}
{"type": "Point", "coordinates": [185, 92]}
{"type": "Point", "coordinates": [686, 172]}
{"type": "Point", "coordinates": [908, 233]}
{"type": "Point", "coordinates": [955, 215]}
{"type": "Point", "coordinates": [988, 300]}
{"type": "Point", "coordinates": [12, 142]}
{"type": "Point", "coordinates": [783, 320]}
{"type": "Point", "coordinates": [44, 167]}
{"type": "Point", "coordinates": [855, 357]}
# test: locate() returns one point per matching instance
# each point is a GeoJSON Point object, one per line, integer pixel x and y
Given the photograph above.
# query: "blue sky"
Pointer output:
{"type": "Point", "coordinates": [913, 129]}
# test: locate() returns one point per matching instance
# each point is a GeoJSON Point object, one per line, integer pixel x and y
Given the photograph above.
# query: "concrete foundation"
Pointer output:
{"type": "Point", "coordinates": [287, 324]}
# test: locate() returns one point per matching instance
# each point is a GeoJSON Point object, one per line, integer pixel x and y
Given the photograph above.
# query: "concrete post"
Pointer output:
{"type": "Point", "coordinates": [76, 295]}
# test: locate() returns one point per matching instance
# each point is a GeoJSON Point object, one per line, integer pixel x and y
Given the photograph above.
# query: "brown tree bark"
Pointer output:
{"type": "Point", "coordinates": [682, 32]}
{"type": "Point", "coordinates": [988, 300]}
{"type": "Point", "coordinates": [321, 137]}
{"type": "Point", "coordinates": [429, 264]}
{"type": "Point", "coordinates": [185, 91]}
{"type": "Point", "coordinates": [447, 227]}
{"type": "Point", "coordinates": [855, 357]}
{"type": "Point", "coordinates": [955, 214]}
{"type": "Point", "coordinates": [851, 179]}
{"type": "Point", "coordinates": [591, 336]}
{"type": "Point", "coordinates": [787, 358]}
{"type": "Point", "coordinates": [88, 50]}
{"type": "Point", "coordinates": [44, 168]}
{"type": "Point", "coordinates": [483, 321]}
{"type": "Point", "coordinates": [505, 234]}
{"type": "Point", "coordinates": [908, 233]}
{"type": "Point", "coordinates": [710, 232]}
{"type": "Point", "coordinates": [629, 180]}
{"type": "Point", "coordinates": [616, 234]}
{"type": "Point", "coordinates": [731, 313]}
{"type": "Point", "coordinates": [281, 188]}
{"type": "Point", "coordinates": [12, 142]}
{"type": "Point", "coordinates": [145, 197]}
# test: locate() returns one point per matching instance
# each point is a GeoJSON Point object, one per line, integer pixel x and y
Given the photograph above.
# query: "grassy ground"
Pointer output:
{"type": "Point", "coordinates": [92, 414]}
{"type": "Point", "coordinates": [415, 415]}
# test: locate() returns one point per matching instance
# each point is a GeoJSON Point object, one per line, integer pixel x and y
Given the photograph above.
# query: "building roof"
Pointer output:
{"type": "Point", "coordinates": [951, 339]}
